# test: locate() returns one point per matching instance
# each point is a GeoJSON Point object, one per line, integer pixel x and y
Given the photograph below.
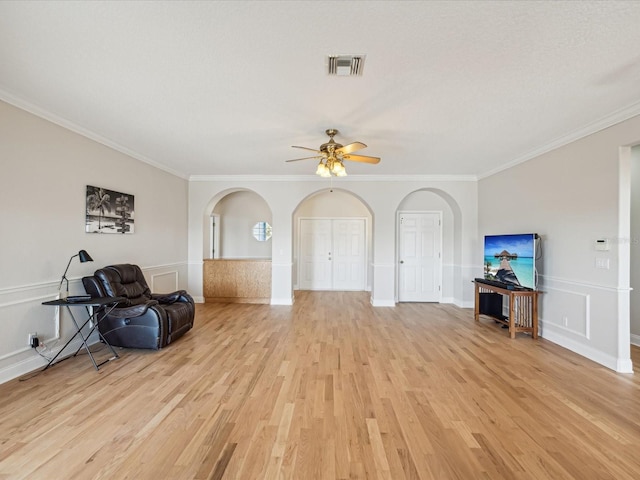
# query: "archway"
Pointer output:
{"type": "Point", "coordinates": [332, 210]}
{"type": "Point", "coordinates": [436, 200]}
{"type": "Point", "coordinates": [237, 264]}
{"type": "Point", "coordinates": [239, 210]}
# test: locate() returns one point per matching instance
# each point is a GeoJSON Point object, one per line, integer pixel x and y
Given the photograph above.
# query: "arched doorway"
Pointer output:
{"type": "Point", "coordinates": [237, 248]}
{"type": "Point", "coordinates": [332, 246]}
{"type": "Point", "coordinates": [435, 241]}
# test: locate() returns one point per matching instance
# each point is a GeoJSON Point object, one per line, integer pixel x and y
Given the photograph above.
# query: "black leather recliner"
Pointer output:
{"type": "Point", "coordinates": [144, 319]}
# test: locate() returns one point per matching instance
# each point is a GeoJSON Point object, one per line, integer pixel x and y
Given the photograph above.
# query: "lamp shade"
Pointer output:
{"type": "Point", "coordinates": [84, 256]}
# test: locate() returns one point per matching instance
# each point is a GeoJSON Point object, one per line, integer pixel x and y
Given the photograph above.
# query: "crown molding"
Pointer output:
{"type": "Point", "coordinates": [605, 122]}
{"type": "Point", "coordinates": [335, 180]}
{"type": "Point", "coordinates": [69, 125]}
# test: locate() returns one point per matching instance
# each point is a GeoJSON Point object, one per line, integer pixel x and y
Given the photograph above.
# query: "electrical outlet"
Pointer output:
{"type": "Point", "coordinates": [31, 337]}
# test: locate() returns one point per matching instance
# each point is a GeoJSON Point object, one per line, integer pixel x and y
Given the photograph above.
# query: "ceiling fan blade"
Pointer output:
{"type": "Point", "coordinates": [306, 148]}
{"type": "Point", "coordinates": [305, 158]}
{"type": "Point", "coordinates": [362, 158]}
{"type": "Point", "coordinates": [352, 147]}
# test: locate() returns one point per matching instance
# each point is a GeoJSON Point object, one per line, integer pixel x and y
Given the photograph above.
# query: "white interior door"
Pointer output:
{"type": "Point", "coordinates": [349, 256]}
{"type": "Point", "coordinates": [419, 257]}
{"type": "Point", "coordinates": [332, 254]}
{"type": "Point", "coordinates": [315, 254]}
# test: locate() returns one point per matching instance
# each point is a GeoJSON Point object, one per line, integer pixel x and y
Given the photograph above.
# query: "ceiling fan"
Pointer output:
{"type": "Point", "coordinates": [332, 154]}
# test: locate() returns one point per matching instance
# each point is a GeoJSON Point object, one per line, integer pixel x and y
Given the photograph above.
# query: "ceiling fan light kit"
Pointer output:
{"type": "Point", "coordinates": [333, 154]}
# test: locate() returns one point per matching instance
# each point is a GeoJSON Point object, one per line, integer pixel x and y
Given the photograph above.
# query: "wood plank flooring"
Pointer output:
{"type": "Point", "coordinates": [330, 388]}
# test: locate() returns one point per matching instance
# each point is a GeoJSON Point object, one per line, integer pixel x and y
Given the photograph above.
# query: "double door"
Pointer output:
{"type": "Point", "coordinates": [332, 254]}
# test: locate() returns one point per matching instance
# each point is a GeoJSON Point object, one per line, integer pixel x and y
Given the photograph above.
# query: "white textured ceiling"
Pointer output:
{"type": "Point", "coordinates": [220, 88]}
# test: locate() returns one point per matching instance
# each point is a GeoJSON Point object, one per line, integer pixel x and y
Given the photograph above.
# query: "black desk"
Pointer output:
{"type": "Point", "coordinates": [102, 307]}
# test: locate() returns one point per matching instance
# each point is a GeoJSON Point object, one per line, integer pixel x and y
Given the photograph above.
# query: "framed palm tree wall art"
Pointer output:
{"type": "Point", "coordinates": [109, 211]}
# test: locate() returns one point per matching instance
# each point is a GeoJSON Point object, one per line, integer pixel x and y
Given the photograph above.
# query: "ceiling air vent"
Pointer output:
{"type": "Point", "coordinates": [346, 65]}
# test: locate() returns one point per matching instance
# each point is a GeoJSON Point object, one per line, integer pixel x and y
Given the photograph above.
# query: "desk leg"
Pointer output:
{"type": "Point", "coordinates": [104, 340]}
{"type": "Point", "coordinates": [84, 340]}
{"type": "Point", "coordinates": [96, 320]}
{"type": "Point", "coordinates": [84, 343]}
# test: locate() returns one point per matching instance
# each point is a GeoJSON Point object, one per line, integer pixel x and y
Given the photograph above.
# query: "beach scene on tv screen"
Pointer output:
{"type": "Point", "coordinates": [510, 259]}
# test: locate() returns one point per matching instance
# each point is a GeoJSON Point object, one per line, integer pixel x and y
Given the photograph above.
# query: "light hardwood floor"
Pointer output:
{"type": "Point", "coordinates": [330, 388]}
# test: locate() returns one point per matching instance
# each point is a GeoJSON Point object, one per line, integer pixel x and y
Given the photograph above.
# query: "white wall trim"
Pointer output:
{"type": "Point", "coordinates": [69, 125]}
{"type": "Point", "coordinates": [241, 257]}
{"type": "Point", "coordinates": [36, 362]}
{"type": "Point", "coordinates": [40, 298]}
{"type": "Point", "coordinates": [383, 265]}
{"type": "Point", "coordinates": [172, 272]}
{"type": "Point", "coordinates": [589, 129]}
{"type": "Point", "coordinates": [55, 283]}
{"type": "Point", "coordinates": [33, 286]}
{"type": "Point", "coordinates": [567, 281]}
{"type": "Point", "coordinates": [458, 303]}
{"type": "Point", "coordinates": [587, 316]}
{"type": "Point", "coordinates": [166, 265]}
{"type": "Point", "coordinates": [282, 301]}
{"type": "Point", "coordinates": [463, 304]}
{"type": "Point", "coordinates": [382, 303]}
{"type": "Point", "coordinates": [635, 340]}
{"type": "Point", "coordinates": [551, 332]}
{"type": "Point", "coordinates": [282, 264]}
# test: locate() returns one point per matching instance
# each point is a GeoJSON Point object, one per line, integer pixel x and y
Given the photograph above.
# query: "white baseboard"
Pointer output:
{"type": "Point", "coordinates": [36, 362]}
{"type": "Point", "coordinates": [198, 299]}
{"type": "Point", "coordinates": [620, 365]}
{"type": "Point", "coordinates": [382, 303]}
{"type": "Point", "coordinates": [281, 301]}
{"type": "Point", "coordinates": [461, 304]}
{"type": "Point", "coordinates": [635, 340]}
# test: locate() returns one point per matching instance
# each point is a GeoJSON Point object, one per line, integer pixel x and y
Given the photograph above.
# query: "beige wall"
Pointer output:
{"type": "Point", "coordinates": [44, 171]}
{"type": "Point", "coordinates": [573, 196]}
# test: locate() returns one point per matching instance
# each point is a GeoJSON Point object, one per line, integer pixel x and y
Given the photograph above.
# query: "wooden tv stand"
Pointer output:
{"type": "Point", "coordinates": [523, 308]}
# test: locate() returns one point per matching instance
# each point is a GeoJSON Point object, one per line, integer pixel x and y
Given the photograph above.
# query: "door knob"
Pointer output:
{"type": "Point", "coordinates": [401, 261]}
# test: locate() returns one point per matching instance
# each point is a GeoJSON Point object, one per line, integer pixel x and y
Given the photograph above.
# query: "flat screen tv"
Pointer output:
{"type": "Point", "coordinates": [511, 259]}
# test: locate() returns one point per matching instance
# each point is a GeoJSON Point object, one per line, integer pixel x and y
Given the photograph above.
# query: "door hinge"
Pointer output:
{"type": "Point", "coordinates": [438, 287]}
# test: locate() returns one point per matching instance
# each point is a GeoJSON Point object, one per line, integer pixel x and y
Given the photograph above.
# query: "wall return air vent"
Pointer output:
{"type": "Point", "coordinates": [346, 65]}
